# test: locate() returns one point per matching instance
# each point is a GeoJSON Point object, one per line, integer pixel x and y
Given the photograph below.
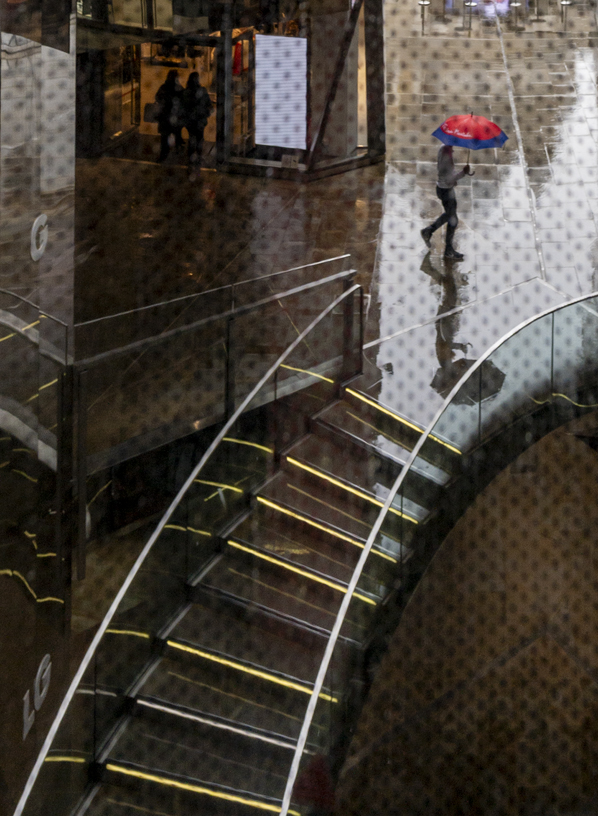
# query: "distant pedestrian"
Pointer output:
{"type": "Point", "coordinates": [198, 107]}
{"type": "Point", "coordinates": [169, 98]}
{"type": "Point", "coordinates": [445, 190]}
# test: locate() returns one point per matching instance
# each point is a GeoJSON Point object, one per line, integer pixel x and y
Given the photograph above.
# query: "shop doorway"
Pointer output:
{"type": "Point", "coordinates": [157, 59]}
{"type": "Point", "coordinates": [122, 92]}
{"type": "Point", "coordinates": [117, 84]}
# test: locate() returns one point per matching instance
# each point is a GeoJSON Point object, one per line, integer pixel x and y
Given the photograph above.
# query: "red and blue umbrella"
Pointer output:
{"type": "Point", "coordinates": [473, 132]}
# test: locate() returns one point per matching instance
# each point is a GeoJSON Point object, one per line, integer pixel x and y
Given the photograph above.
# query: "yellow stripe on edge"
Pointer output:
{"type": "Point", "coordinates": [360, 494]}
{"type": "Point", "coordinates": [218, 484]}
{"type": "Point", "coordinates": [12, 573]}
{"type": "Point", "coordinates": [251, 444]}
{"type": "Point", "coordinates": [406, 422]}
{"type": "Point", "coordinates": [311, 373]}
{"type": "Point", "coordinates": [65, 759]}
{"type": "Point", "coordinates": [175, 783]}
{"type": "Point", "coordinates": [299, 571]}
{"type": "Point", "coordinates": [26, 475]}
{"type": "Point", "coordinates": [272, 678]}
{"type": "Point", "coordinates": [323, 527]}
{"type": "Point", "coordinates": [185, 529]}
{"type": "Point", "coordinates": [128, 632]}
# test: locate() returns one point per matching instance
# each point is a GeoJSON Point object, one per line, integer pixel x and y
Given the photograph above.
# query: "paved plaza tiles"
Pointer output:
{"type": "Point", "coordinates": [528, 217]}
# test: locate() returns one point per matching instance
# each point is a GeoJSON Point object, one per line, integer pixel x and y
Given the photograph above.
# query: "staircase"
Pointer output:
{"type": "Point", "coordinates": [201, 682]}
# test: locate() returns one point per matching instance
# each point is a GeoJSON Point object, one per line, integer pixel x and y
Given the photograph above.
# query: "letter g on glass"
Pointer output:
{"type": "Point", "coordinates": [39, 236]}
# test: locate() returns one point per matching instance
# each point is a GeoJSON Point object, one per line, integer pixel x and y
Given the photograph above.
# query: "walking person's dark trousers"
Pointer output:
{"type": "Point", "coordinates": [195, 146]}
{"type": "Point", "coordinates": [164, 146]}
{"type": "Point", "coordinates": [449, 216]}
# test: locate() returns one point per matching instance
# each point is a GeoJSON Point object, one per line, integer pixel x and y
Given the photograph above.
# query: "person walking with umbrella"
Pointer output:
{"type": "Point", "coordinates": [445, 190]}
{"type": "Point", "coordinates": [474, 133]}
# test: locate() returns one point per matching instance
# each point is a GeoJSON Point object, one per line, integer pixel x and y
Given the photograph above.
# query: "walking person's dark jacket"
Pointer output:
{"type": "Point", "coordinates": [171, 116]}
{"type": "Point", "coordinates": [198, 106]}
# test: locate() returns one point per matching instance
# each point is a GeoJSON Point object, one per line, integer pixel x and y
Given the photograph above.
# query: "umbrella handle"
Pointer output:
{"type": "Point", "coordinates": [473, 171]}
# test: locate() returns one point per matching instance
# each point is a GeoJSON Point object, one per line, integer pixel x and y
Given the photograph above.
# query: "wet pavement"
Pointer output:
{"type": "Point", "coordinates": [528, 218]}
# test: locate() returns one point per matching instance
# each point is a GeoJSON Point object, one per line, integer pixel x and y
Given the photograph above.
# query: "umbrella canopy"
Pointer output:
{"type": "Point", "coordinates": [473, 132]}
{"type": "Point", "coordinates": [473, 390]}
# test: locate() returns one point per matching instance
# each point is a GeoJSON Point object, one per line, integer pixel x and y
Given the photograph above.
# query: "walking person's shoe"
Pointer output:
{"type": "Point", "coordinates": [451, 252]}
{"type": "Point", "coordinates": [426, 234]}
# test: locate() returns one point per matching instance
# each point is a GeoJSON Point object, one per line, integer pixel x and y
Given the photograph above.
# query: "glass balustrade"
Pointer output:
{"type": "Point", "coordinates": [542, 375]}
{"type": "Point", "coordinates": [164, 658]}
{"type": "Point", "coordinates": [230, 674]}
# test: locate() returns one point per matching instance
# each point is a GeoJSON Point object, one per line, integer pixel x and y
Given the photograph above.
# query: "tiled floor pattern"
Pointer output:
{"type": "Point", "coordinates": [486, 701]}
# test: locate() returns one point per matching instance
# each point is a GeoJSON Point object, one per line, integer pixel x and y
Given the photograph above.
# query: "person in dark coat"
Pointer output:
{"type": "Point", "coordinates": [198, 107]}
{"type": "Point", "coordinates": [448, 177]}
{"type": "Point", "coordinates": [171, 116]}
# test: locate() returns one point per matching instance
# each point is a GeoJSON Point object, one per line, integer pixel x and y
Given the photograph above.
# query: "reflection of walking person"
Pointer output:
{"type": "Point", "coordinates": [198, 107]}
{"type": "Point", "coordinates": [447, 327]}
{"type": "Point", "coordinates": [169, 98]}
{"type": "Point", "coordinates": [445, 190]}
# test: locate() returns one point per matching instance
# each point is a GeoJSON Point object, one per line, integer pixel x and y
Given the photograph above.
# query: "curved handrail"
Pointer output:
{"type": "Point", "coordinates": [167, 334]}
{"type": "Point", "coordinates": [335, 631]}
{"type": "Point", "coordinates": [183, 298]}
{"type": "Point", "coordinates": [153, 538]}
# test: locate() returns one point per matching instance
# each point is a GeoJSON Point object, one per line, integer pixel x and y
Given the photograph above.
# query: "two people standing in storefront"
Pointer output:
{"type": "Point", "coordinates": [180, 108]}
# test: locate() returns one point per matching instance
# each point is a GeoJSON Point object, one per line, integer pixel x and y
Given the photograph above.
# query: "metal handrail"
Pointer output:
{"type": "Point", "coordinates": [34, 305]}
{"type": "Point", "coordinates": [231, 286]}
{"type": "Point", "coordinates": [153, 538]}
{"type": "Point", "coordinates": [140, 345]}
{"type": "Point", "coordinates": [335, 631]}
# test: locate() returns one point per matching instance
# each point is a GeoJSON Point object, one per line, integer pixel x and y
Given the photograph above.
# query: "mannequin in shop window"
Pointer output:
{"type": "Point", "coordinates": [198, 107]}
{"type": "Point", "coordinates": [171, 116]}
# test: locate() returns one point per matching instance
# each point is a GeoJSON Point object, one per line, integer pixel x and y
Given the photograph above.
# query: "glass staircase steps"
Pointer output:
{"type": "Point", "coordinates": [348, 519]}
{"type": "Point", "coordinates": [272, 586]}
{"type": "Point", "coordinates": [345, 513]}
{"type": "Point", "coordinates": [304, 639]}
{"type": "Point", "coordinates": [323, 463]}
{"type": "Point", "coordinates": [330, 453]}
{"type": "Point", "coordinates": [259, 685]}
{"type": "Point", "coordinates": [261, 615]}
{"type": "Point", "coordinates": [262, 684]}
{"type": "Point", "coordinates": [122, 654]}
{"type": "Point", "coordinates": [147, 792]}
{"type": "Point", "coordinates": [389, 437]}
{"type": "Point", "coordinates": [240, 460]}
{"type": "Point", "coordinates": [242, 760]}
{"type": "Point", "coordinates": [181, 679]}
{"type": "Point", "coordinates": [368, 470]}
{"type": "Point", "coordinates": [309, 399]}
{"type": "Point", "coordinates": [329, 555]}
{"type": "Point", "coordinates": [276, 649]}
{"type": "Point", "coordinates": [153, 711]}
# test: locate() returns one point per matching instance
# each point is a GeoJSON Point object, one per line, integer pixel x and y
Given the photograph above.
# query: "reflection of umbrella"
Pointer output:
{"type": "Point", "coordinates": [473, 132]}
{"type": "Point", "coordinates": [470, 392]}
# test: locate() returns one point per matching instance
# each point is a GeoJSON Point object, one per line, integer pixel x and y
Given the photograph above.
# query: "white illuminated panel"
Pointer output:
{"type": "Point", "coordinates": [280, 91]}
